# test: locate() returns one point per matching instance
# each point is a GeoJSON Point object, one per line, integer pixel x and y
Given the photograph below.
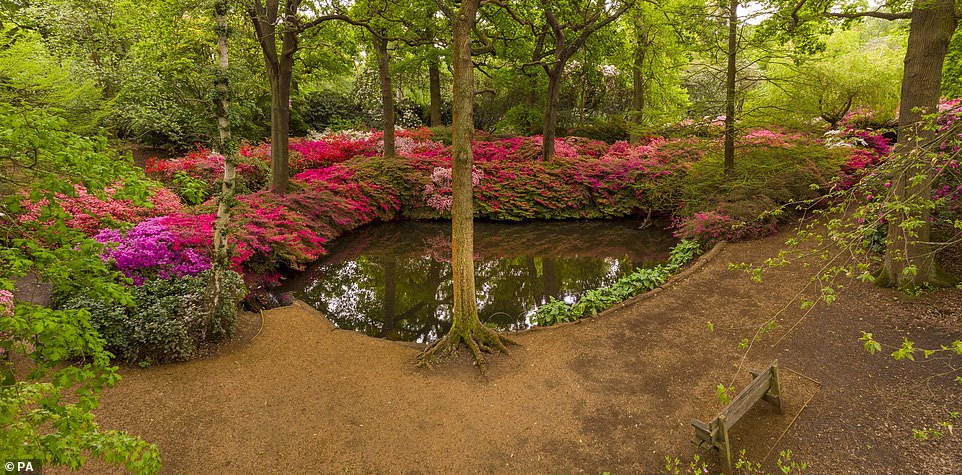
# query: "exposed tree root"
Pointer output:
{"type": "Point", "coordinates": [479, 340]}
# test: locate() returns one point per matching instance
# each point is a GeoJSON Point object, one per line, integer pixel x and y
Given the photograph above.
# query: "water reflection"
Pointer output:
{"type": "Point", "coordinates": [394, 280]}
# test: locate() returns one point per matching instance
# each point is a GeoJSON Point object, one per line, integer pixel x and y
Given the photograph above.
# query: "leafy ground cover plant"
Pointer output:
{"type": "Point", "coordinates": [595, 301]}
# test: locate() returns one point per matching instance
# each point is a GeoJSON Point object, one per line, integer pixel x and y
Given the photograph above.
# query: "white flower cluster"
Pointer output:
{"type": "Point", "coordinates": [833, 139]}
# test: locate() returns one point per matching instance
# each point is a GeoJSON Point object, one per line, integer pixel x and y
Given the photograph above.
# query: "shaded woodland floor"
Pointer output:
{"type": "Point", "coordinates": [613, 393]}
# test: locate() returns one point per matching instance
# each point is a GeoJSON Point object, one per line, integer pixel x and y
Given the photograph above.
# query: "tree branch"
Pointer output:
{"type": "Point", "coordinates": [872, 14]}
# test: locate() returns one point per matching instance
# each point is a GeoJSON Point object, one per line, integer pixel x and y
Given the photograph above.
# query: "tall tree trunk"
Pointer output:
{"type": "Point", "coordinates": [387, 95]}
{"type": "Point", "coordinates": [280, 129]}
{"type": "Point", "coordinates": [551, 110]}
{"type": "Point", "coordinates": [465, 325]}
{"type": "Point", "coordinates": [462, 208]}
{"type": "Point", "coordinates": [265, 19]}
{"type": "Point", "coordinates": [909, 256]}
{"type": "Point", "coordinates": [434, 73]}
{"type": "Point", "coordinates": [638, 84]}
{"type": "Point", "coordinates": [228, 149]}
{"type": "Point", "coordinates": [730, 88]}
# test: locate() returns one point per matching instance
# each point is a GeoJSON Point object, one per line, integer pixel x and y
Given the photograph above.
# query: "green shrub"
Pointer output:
{"type": "Point", "coordinates": [169, 321]}
{"type": "Point", "coordinates": [521, 120]}
{"type": "Point", "coordinates": [764, 177]}
{"type": "Point", "coordinates": [330, 110]}
{"type": "Point", "coordinates": [610, 131]}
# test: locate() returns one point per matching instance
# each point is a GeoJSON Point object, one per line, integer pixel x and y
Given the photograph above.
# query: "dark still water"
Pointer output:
{"type": "Point", "coordinates": [393, 280]}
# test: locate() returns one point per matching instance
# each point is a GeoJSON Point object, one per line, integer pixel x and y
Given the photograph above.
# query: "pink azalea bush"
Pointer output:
{"type": "Point", "coordinates": [770, 138]}
{"type": "Point", "coordinates": [151, 250]}
{"type": "Point", "coordinates": [711, 227]}
{"type": "Point", "coordinates": [91, 213]}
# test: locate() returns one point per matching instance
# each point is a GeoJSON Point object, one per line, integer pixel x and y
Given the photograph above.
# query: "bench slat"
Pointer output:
{"type": "Point", "coordinates": [744, 401]}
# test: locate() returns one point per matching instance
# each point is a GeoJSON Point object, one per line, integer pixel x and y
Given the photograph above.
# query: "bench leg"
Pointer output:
{"type": "Point", "coordinates": [726, 450]}
{"type": "Point", "coordinates": [775, 389]}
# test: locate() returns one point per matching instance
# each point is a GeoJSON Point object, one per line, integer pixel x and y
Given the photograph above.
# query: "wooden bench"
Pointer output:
{"type": "Point", "coordinates": [765, 386]}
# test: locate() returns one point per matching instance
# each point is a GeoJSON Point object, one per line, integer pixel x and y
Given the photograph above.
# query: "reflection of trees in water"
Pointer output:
{"type": "Point", "coordinates": [384, 284]}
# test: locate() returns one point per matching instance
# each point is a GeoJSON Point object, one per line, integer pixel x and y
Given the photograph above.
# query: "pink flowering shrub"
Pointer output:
{"type": "Point", "coordinates": [340, 182]}
{"type": "Point", "coordinates": [438, 192]}
{"type": "Point", "coordinates": [6, 303]}
{"type": "Point", "coordinates": [711, 227]}
{"type": "Point", "coordinates": [208, 167]}
{"type": "Point", "coordinates": [770, 138]}
{"type": "Point", "coordinates": [91, 213]}
{"type": "Point", "coordinates": [862, 118]}
{"type": "Point", "coordinates": [866, 149]}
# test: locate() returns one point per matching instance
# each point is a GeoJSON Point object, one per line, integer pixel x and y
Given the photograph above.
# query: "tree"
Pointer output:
{"type": "Point", "coordinates": [565, 28]}
{"type": "Point", "coordinates": [281, 20]}
{"type": "Point", "coordinates": [909, 257]}
{"type": "Point", "coordinates": [228, 149]}
{"type": "Point", "coordinates": [553, 60]}
{"type": "Point", "coordinates": [730, 87]}
{"type": "Point", "coordinates": [466, 328]}
{"type": "Point", "coordinates": [909, 254]}
{"type": "Point", "coordinates": [860, 68]}
{"type": "Point", "coordinates": [386, 25]}
{"type": "Point", "coordinates": [648, 43]}
{"type": "Point", "coordinates": [48, 405]}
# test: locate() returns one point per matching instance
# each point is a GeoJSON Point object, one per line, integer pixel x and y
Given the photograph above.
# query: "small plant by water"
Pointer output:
{"type": "Point", "coordinates": [597, 300]}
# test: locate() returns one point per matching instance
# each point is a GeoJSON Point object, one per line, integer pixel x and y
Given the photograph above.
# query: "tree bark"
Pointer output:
{"type": "Point", "coordinates": [465, 326]}
{"type": "Point", "coordinates": [638, 85]}
{"type": "Point", "coordinates": [280, 128]}
{"type": "Point", "coordinates": [434, 73]}
{"type": "Point", "coordinates": [387, 94]}
{"type": "Point", "coordinates": [462, 214]}
{"type": "Point", "coordinates": [228, 149]}
{"type": "Point", "coordinates": [910, 256]}
{"type": "Point", "coordinates": [551, 110]}
{"type": "Point", "coordinates": [730, 88]}
{"type": "Point", "coordinates": [279, 70]}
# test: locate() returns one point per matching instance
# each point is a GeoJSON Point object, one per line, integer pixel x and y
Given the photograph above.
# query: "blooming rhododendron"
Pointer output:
{"type": "Point", "coordinates": [90, 213]}
{"type": "Point", "coordinates": [151, 250]}
{"type": "Point", "coordinates": [438, 191]}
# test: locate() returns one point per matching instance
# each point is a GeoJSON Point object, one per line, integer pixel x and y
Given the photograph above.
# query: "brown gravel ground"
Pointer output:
{"type": "Point", "coordinates": [612, 393]}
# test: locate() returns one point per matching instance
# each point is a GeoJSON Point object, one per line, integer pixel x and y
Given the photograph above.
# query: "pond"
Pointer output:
{"type": "Point", "coordinates": [393, 280]}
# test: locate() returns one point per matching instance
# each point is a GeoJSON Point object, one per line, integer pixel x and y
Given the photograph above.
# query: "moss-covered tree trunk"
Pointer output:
{"type": "Point", "coordinates": [466, 328]}
{"type": "Point", "coordinates": [910, 256]}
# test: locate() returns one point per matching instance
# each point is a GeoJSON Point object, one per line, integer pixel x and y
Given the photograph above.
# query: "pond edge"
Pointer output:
{"type": "Point", "coordinates": [674, 279]}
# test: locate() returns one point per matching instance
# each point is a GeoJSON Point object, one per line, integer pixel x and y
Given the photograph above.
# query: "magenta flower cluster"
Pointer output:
{"type": "Point", "coordinates": [151, 250]}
